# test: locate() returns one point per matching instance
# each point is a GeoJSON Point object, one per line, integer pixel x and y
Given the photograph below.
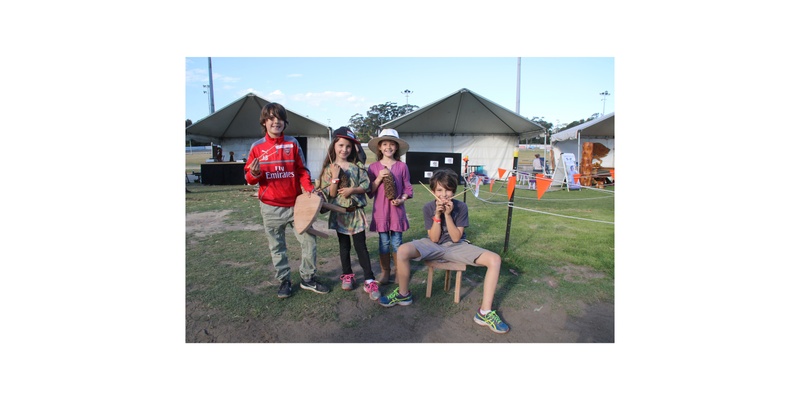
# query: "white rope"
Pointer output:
{"type": "Point", "coordinates": [564, 216]}
{"type": "Point", "coordinates": [470, 186]}
{"type": "Point", "coordinates": [586, 198]}
{"type": "Point", "coordinates": [597, 189]}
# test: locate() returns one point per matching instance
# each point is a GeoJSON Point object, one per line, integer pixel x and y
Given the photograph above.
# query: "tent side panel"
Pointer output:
{"type": "Point", "coordinates": [491, 151]}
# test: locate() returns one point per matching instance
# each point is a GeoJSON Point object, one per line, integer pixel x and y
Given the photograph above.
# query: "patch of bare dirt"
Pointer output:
{"type": "Point", "coordinates": [362, 320]}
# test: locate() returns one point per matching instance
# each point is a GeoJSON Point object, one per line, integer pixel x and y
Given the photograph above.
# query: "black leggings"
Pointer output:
{"type": "Point", "coordinates": [360, 243]}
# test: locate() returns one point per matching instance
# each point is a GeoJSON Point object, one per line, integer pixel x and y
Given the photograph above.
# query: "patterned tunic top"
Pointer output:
{"type": "Point", "coordinates": [352, 222]}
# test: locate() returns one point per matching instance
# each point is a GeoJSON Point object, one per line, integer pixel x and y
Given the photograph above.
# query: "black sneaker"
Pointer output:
{"type": "Point", "coordinates": [314, 286]}
{"type": "Point", "coordinates": [285, 290]}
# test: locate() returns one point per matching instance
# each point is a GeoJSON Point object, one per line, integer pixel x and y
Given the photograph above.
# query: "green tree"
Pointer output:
{"type": "Point", "coordinates": [582, 121]}
{"type": "Point", "coordinates": [548, 127]}
{"type": "Point", "coordinates": [369, 126]}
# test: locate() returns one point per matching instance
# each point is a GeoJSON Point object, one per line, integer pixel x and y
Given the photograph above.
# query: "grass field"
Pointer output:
{"type": "Point", "coordinates": [567, 236]}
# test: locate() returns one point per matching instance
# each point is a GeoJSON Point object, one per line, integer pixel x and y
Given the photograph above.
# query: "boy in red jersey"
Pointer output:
{"type": "Point", "coordinates": [277, 163]}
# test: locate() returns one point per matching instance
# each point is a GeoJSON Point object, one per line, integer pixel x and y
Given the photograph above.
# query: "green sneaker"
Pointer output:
{"type": "Point", "coordinates": [395, 298]}
{"type": "Point", "coordinates": [492, 320]}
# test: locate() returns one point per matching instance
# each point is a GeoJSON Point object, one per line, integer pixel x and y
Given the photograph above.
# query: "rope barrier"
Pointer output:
{"type": "Point", "coordinates": [563, 216]}
{"type": "Point", "coordinates": [471, 188]}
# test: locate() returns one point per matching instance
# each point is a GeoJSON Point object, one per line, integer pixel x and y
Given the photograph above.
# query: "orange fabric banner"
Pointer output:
{"type": "Point", "coordinates": [491, 183]}
{"type": "Point", "coordinates": [512, 183]}
{"type": "Point", "coordinates": [542, 184]}
{"type": "Point", "coordinates": [501, 172]}
{"type": "Point", "coordinates": [612, 174]}
{"type": "Point", "coordinates": [576, 177]}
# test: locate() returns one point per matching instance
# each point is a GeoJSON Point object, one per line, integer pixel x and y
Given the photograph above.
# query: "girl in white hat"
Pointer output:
{"type": "Point", "coordinates": [388, 212]}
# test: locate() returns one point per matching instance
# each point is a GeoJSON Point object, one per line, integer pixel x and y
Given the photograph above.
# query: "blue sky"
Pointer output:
{"type": "Point", "coordinates": [331, 89]}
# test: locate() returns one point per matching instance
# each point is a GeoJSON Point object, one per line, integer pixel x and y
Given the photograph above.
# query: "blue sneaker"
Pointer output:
{"type": "Point", "coordinates": [492, 320]}
{"type": "Point", "coordinates": [395, 298]}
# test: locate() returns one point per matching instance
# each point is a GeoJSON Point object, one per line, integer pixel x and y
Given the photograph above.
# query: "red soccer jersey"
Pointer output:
{"type": "Point", "coordinates": [283, 170]}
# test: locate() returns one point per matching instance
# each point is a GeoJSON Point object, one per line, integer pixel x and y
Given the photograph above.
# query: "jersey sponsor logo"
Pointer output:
{"type": "Point", "coordinates": [280, 172]}
{"type": "Point", "coordinates": [279, 175]}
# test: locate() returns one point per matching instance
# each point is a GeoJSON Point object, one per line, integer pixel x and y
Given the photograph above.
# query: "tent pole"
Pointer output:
{"type": "Point", "coordinates": [580, 149]}
{"type": "Point", "coordinates": [546, 157]}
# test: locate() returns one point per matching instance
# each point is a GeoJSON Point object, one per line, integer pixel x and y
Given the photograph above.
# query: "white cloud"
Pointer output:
{"type": "Point", "coordinates": [196, 75]}
{"type": "Point", "coordinates": [275, 95]}
{"type": "Point", "coordinates": [317, 98]}
{"type": "Point", "coordinates": [294, 75]}
{"type": "Point", "coordinates": [226, 79]}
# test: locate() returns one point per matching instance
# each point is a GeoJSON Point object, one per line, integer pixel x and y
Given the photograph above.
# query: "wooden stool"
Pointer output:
{"type": "Point", "coordinates": [447, 266]}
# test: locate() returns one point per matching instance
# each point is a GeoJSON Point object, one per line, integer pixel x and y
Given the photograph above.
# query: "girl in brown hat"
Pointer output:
{"type": "Point", "coordinates": [390, 187]}
{"type": "Point", "coordinates": [344, 182]}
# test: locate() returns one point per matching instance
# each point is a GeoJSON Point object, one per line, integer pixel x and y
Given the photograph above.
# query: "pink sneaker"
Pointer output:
{"type": "Point", "coordinates": [372, 289]}
{"type": "Point", "coordinates": [347, 281]}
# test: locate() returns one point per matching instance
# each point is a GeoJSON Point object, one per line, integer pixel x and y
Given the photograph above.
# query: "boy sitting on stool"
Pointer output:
{"type": "Point", "coordinates": [445, 220]}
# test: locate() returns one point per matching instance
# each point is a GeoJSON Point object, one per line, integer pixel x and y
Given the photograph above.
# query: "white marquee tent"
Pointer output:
{"type": "Point", "coordinates": [599, 130]}
{"type": "Point", "coordinates": [235, 127]}
{"type": "Point", "coordinates": [467, 123]}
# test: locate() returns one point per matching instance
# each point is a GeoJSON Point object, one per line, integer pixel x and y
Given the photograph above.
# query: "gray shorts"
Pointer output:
{"type": "Point", "coordinates": [462, 252]}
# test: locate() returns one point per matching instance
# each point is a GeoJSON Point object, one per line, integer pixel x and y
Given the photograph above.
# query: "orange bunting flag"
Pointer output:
{"type": "Point", "coordinates": [542, 184]}
{"type": "Point", "coordinates": [501, 172]}
{"type": "Point", "coordinates": [612, 174]}
{"type": "Point", "coordinates": [576, 177]}
{"type": "Point", "coordinates": [491, 183]}
{"type": "Point", "coordinates": [512, 183]}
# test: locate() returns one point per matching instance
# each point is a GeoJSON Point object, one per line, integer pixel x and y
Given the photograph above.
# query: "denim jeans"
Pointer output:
{"type": "Point", "coordinates": [385, 239]}
{"type": "Point", "coordinates": [276, 221]}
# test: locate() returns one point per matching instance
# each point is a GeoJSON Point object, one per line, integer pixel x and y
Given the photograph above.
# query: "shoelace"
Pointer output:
{"type": "Point", "coordinates": [347, 278]}
{"type": "Point", "coordinates": [397, 294]}
{"type": "Point", "coordinates": [492, 317]}
{"type": "Point", "coordinates": [372, 286]}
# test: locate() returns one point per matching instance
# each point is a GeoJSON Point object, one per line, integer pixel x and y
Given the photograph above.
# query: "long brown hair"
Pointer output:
{"type": "Point", "coordinates": [332, 154]}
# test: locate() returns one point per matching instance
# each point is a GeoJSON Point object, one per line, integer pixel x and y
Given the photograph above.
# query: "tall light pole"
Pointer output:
{"type": "Point", "coordinates": [207, 90]}
{"type": "Point", "coordinates": [210, 88]}
{"type": "Point", "coordinates": [406, 92]}
{"type": "Point", "coordinates": [604, 94]}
